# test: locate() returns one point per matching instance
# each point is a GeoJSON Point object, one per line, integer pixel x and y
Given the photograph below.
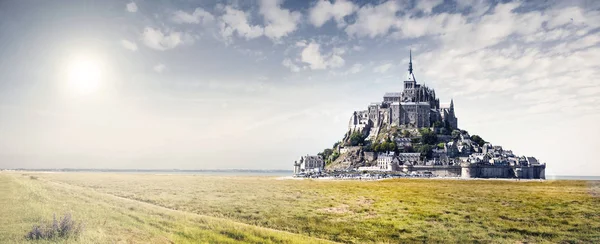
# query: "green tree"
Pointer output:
{"type": "Point", "coordinates": [455, 134]}
{"type": "Point", "coordinates": [478, 140]}
{"type": "Point", "coordinates": [425, 150]}
{"type": "Point", "coordinates": [441, 145]}
{"type": "Point", "coordinates": [336, 144]}
{"type": "Point", "coordinates": [356, 138]}
{"type": "Point", "coordinates": [326, 153]}
{"type": "Point", "coordinates": [334, 156]}
{"type": "Point", "coordinates": [428, 137]}
{"type": "Point", "coordinates": [387, 146]}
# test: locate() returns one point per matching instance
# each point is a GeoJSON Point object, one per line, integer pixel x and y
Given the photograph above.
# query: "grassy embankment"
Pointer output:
{"type": "Point", "coordinates": [27, 200]}
{"type": "Point", "coordinates": [345, 211]}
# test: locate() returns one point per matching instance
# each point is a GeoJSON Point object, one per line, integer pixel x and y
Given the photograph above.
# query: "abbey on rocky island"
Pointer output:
{"type": "Point", "coordinates": [411, 133]}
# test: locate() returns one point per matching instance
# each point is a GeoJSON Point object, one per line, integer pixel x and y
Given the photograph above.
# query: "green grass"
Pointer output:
{"type": "Point", "coordinates": [343, 211]}
{"type": "Point", "coordinates": [27, 200]}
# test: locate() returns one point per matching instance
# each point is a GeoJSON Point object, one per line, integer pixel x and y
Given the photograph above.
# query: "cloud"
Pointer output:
{"type": "Point", "coordinates": [289, 64]}
{"type": "Point", "coordinates": [159, 68]}
{"type": "Point", "coordinates": [427, 5]}
{"type": "Point", "coordinates": [311, 55]}
{"type": "Point", "coordinates": [301, 43]}
{"type": "Point", "coordinates": [372, 21]}
{"type": "Point", "coordinates": [382, 68]}
{"type": "Point", "coordinates": [236, 21]}
{"type": "Point", "coordinates": [356, 68]}
{"type": "Point", "coordinates": [324, 11]}
{"type": "Point", "coordinates": [156, 39]}
{"type": "Point", "coordinates": [279, 22]}
{"type": "Point", "coordinates": [571, 15]}
{"type": "Point", "coordinates": [129, 45]}
{"type": "Point", "coordinates": [585, 42]}
{"type": "Point", "coordinates": [198, 16]}
{"type": "Point", "coordinates": [409, 27]}
{"type": "Point", "coordinates": [131, 7]}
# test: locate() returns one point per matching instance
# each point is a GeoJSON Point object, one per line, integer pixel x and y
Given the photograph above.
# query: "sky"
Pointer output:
{"type": "Point", "coordinates": [256, 84]}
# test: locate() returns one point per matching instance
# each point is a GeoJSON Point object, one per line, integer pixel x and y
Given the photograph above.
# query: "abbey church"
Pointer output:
{"type": "Point", "coordinates": [416, 106]}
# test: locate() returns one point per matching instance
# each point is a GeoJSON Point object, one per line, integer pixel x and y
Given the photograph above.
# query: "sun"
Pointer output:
{"type": "Point", "coordinates": [84, 75]}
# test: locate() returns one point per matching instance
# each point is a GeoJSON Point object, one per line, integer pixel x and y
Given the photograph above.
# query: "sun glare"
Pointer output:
{"type": "Point", "coordinates": [84, 75]}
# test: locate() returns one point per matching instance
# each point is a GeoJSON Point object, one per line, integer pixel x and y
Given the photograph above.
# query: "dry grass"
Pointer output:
{"type": "Point", "coordinates": [351, 211]}
{"type": "Point", "coordinates": [109, 219]}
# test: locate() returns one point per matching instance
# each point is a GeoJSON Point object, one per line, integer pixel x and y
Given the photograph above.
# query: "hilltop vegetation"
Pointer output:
{"type": "Point", "coordinates": [139, 208]}
{"type": "Point", "coordinates": [422, 140]}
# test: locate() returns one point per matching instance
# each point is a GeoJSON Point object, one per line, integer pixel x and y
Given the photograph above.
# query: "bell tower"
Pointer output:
{"type": "Point", "coordinates": [410, 82]}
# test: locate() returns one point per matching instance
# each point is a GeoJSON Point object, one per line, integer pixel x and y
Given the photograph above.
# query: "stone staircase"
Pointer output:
{"type": "Point", "coordinates": [373, 134]}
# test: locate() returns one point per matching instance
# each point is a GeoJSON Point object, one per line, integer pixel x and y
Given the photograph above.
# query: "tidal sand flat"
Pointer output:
{"type": "Point", "coordinates": [143, 208]}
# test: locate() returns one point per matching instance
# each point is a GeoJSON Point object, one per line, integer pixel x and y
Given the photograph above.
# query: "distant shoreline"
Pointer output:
{"type": "Point", "coordinates": [150, 170]}
{"type": "Point", "coordinates": [234, 172]}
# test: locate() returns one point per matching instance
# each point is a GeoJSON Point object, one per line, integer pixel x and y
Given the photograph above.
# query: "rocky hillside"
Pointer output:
{"type": "Point", "coordinates": [359, 148]}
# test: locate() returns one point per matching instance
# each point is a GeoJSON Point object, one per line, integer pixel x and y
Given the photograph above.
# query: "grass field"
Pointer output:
{"type": "Point", "coordinates": [136, 208]}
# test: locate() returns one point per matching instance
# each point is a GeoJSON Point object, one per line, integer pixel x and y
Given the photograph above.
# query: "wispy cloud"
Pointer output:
{"type": "Point", "coordinates": [156, 39]}
{"type": "Point", "coordinates": [373, 21]}
{"type": "Point", "coordinates": [131, 7]}
{"type": "Point", "coordinates": [237, 21]}
{"type": "Point", "coordinates": [279, 22]}
{"type": "Point", "coordinates": [324, 11]}
{"type": "Point", "coordinates": [159, 68]}
{"type": "Point", "coordinates": [382, 68]}
{"type": "Point", "coordinates": [199, 16]}
{"type": "Point", "coordinates": [129, 45]}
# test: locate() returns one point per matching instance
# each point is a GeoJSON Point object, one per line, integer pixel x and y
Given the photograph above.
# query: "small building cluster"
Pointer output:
{"type": "Point", "coordinates": [461, 157]}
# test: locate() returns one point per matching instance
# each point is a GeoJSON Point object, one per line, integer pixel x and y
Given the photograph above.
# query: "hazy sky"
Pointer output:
{"type": "Point", "coordinates": [256, 84]}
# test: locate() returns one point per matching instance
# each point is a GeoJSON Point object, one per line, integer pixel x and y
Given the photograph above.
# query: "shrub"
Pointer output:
{"type": "Point", "coordinates": [441, 145]}
{"type": "Point", "coordinates": [356, 139]}
{"type": "Point", "coordinates": [64, 228]}
{"type": "Point", "coordinates": [478, 140]}
{"type": "Point", "coordinates": [326, 153]}
{"type": "Point", "coordinates": [425, 150]}
{"type": "Point", "coordinates": [428, 137]}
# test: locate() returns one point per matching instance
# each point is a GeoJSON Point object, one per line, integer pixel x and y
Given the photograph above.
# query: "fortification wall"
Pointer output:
{"type": "Point", "coordinates": [442, 171]}
{"type": "Point", "coordinates": [495, 172]}
{"type": "Point", "coordinates": [492, 171]}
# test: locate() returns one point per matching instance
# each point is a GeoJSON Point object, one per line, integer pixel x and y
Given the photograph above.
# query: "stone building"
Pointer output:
{"type": "Point", "coordinates": [415, 107]}
{"type": "Point", "coordinates": [309, 164]}
{"type": "Point", "coordinates": [387, 162]}
{"type": "Point", "coordinates": [409, 158]}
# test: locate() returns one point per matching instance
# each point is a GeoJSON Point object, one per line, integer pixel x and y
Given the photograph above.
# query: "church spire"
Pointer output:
{"type": "Point", "coordinates": [410, 69]}
{"type": "Point", "coordinates": [411, 76]}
